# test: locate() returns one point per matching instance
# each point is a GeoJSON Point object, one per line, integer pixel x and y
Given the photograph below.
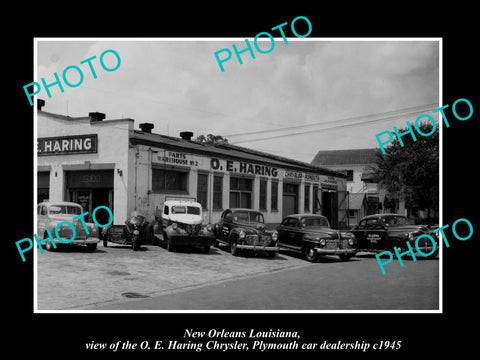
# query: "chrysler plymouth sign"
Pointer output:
{"type": "Point", "coordinates": [77, 144]}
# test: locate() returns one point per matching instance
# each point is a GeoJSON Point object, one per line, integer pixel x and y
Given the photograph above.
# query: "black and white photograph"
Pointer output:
{"type": "Point", "coordinates": [239, 182]}
{"type": "Point", "coordinates": [252, 189]}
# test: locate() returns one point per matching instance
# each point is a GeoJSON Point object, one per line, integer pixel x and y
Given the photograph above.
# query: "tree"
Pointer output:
{"type": "Point", "coordinates": [412, 170]}
{"type": "Point", "coordinates": [211, 139]}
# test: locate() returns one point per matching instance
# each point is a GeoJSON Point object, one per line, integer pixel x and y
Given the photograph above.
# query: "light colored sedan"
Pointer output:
{"type": "Point", "coordinates": [63, 223]}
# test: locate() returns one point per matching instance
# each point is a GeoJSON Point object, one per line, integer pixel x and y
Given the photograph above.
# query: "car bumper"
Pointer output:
{"type": "Point", "coordinates": [192, 240]}
{"type": "Point", "coordinates": [322, 251]}
{"type": "Point", "coordinates": [425, 249]}
{"type": "Point", "coordinates": [257, 247]}
{"type": "Point", "coordinates": [85, 241]}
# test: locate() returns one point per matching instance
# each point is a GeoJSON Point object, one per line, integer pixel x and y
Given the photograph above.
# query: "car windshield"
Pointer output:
{"type": "Point", "coordinates": [248, 216]}
{"type": "Point", "coordinates": [64, 209]}
{"type": "Point", "coordinates": [314, 222]}
{"type": "Point", "coordinates": [194, 210]}
{"type": "Point", "coordinates": [395, 220]}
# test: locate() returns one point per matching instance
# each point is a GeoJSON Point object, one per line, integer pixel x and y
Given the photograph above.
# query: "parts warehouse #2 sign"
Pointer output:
{"type": "Point", "coordinates": [63, 145]}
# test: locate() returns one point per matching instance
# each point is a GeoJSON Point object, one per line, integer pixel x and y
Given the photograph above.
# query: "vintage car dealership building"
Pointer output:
{"type": "Point", "coordinates": [93, 162]}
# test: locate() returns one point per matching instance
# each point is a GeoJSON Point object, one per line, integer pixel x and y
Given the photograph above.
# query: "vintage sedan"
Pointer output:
{"type": "Point", "coordinates": [380, 232]}
{"type": "Point", "coordinates": [312, 236]}
{"type": "Point", "coordinates": [134, 233]}
{"type": "Point", "coordinates": [244, 229]}
{"type": "Point", "coordinates": [181, 224]}
{"type": "Point", "coordinates": [51, 214]}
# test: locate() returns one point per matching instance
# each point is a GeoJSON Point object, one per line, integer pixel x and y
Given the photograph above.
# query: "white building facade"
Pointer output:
{"type": "Point", "coordinates": [93, 162]}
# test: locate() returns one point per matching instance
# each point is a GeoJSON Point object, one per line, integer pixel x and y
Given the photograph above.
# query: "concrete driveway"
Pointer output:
{"type": "Point", "coordinates": [74, 279]}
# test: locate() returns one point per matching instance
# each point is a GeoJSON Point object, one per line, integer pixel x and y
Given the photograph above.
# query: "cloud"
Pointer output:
{"type": "Point", "coordinates": [177, 85]}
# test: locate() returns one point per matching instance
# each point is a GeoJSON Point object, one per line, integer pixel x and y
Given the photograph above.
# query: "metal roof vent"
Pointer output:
{"type": "Point", "coordinates": [96, 116]}
{"type": "Point", "coordinates": [186, 135]}
{"type": "Point", "coordinates": [146, 127]}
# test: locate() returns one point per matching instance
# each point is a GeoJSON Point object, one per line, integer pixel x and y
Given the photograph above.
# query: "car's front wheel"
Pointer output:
{"type": "Point", "coordinates": [49, 246]}
{"type": "Point", "coordinates": [105, 240]}
{"type": "Point", "coordinates": [169, 245]}
{"type": "Point", "coordinates": [91, 247]}
{"type": "Point", "coordinates": [345, 257]}
{"type": "Point", "coordinates": [271, 254]}
{"type": "Point", "coordinates": [136, 243]}
{"type": "Point", "coordinates": [234, 250]}
{"type": "Point", "coordinates": [310, 254]}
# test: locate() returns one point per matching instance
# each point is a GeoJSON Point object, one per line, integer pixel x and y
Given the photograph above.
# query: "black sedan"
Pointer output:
{"type": "Point", "coordinates": [312, 236]}
{"type": "Point", "coordinates": [380, 232]}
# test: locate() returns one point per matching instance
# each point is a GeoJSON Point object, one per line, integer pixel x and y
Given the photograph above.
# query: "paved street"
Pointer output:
{"type": "Point", "coordinates": [117, 278]}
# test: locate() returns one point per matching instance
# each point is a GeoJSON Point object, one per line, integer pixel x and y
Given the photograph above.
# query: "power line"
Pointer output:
{"type": "Point", "coordinates": [320, 130]}
{"type": "Point", "coordinates": [408, 111]}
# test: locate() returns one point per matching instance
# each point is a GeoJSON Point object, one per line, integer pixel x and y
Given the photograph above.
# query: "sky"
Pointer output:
{"type": "Point", "coordinates": [326, 94]}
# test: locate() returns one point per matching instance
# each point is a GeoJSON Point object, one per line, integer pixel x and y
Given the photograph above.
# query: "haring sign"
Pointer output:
{"type": "Point", "coordinates": [77, 144]}
{"type": "Point", "coordinates": [244, 168]}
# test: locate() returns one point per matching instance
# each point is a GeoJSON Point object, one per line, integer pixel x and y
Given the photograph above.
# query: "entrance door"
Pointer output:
{"type": "Point", "coordinates": [327, 202]}
{"type": "Point", "coordinates": [90, 199]}
{"type": "Point", "coordinates": [290, 199]}
{"type": "Point", "coordinates": [91, 188]}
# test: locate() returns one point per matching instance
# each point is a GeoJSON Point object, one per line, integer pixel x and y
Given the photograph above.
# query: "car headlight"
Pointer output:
{"type": "Point", "coordinates": [351, 241]}
{"type": "Point", "coordinates": [242, 234]}
{"type": "Point", "coordinates": [92, 229]}
{"type": "Point", "coordinates": [209, 227]}
{"type": "Point", "coordinates": [274, 236]}
{"type": "Point", "coordinates": [136, 232]}
{"type": "Point", "coordinates": [322, 242]}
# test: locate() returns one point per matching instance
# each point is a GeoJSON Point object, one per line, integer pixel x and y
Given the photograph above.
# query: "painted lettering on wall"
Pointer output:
{"type": "Point", "coordinates": [244, 168]}
{"type": "Point", "coordinates": [79, 144]}
{"type": "Point", "coordinates": [293, 174]}
{"type": "Point", "coordinates": [177, 158]}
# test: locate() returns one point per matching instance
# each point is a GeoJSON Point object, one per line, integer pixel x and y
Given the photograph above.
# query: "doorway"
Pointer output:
{"type": "Point", "coordinates": [329, 207]}
{"type": "Point", "coordinates": [90, 199]}
{"type": "Point", "coordinates": [90, 189]}
{"type": "Point", "coordinates": [290, 199]}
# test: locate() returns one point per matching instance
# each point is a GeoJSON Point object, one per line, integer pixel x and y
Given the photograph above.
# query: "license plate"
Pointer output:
{"type": "Point", "coordinates": [332, 245]}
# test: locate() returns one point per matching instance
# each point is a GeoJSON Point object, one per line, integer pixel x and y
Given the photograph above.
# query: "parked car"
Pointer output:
{"type": "Point", "coordinates": [134, 232]}
{"type": "Point", "coordinates": [244, 229]}
{"type": "Point", "coordinates": [51, 214]}
{"type": "Point", "coordinates": [380, 232]}
{"type": "Point", "coordinates": [312, 236]}
{"type": "Point", "coordinates": [181, 224]}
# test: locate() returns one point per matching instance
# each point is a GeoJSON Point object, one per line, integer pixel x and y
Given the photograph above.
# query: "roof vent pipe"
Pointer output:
{"type": "Point", "coordinates": [186, 135]}
{"type": "Point", "coordinates": [146, 127]}
{"type": "Point", "coordinates": [96, 116]}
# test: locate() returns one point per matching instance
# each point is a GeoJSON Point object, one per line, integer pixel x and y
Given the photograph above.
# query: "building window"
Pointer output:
{"type": "Point", "coordinates": [349, 175]}
{"type": "Point", "coordinates": [351, 213]}
{"type": "Point", "coordinates": [307, 198]}
{"type": "Point", "coordinates": [217, 192]}
{"type": "Point", "coordinates": [43, 186]}
{"type": "Point", "coordinates": [202, 189]}
{"type": "Point", "coordinates": [274, 198]}
{"type": "Point", "coordinates": [263, 194]}
{"type": "Point", "coordinates": [240, 193]}
{"type": "Point", "coordinates": [170, 181]}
